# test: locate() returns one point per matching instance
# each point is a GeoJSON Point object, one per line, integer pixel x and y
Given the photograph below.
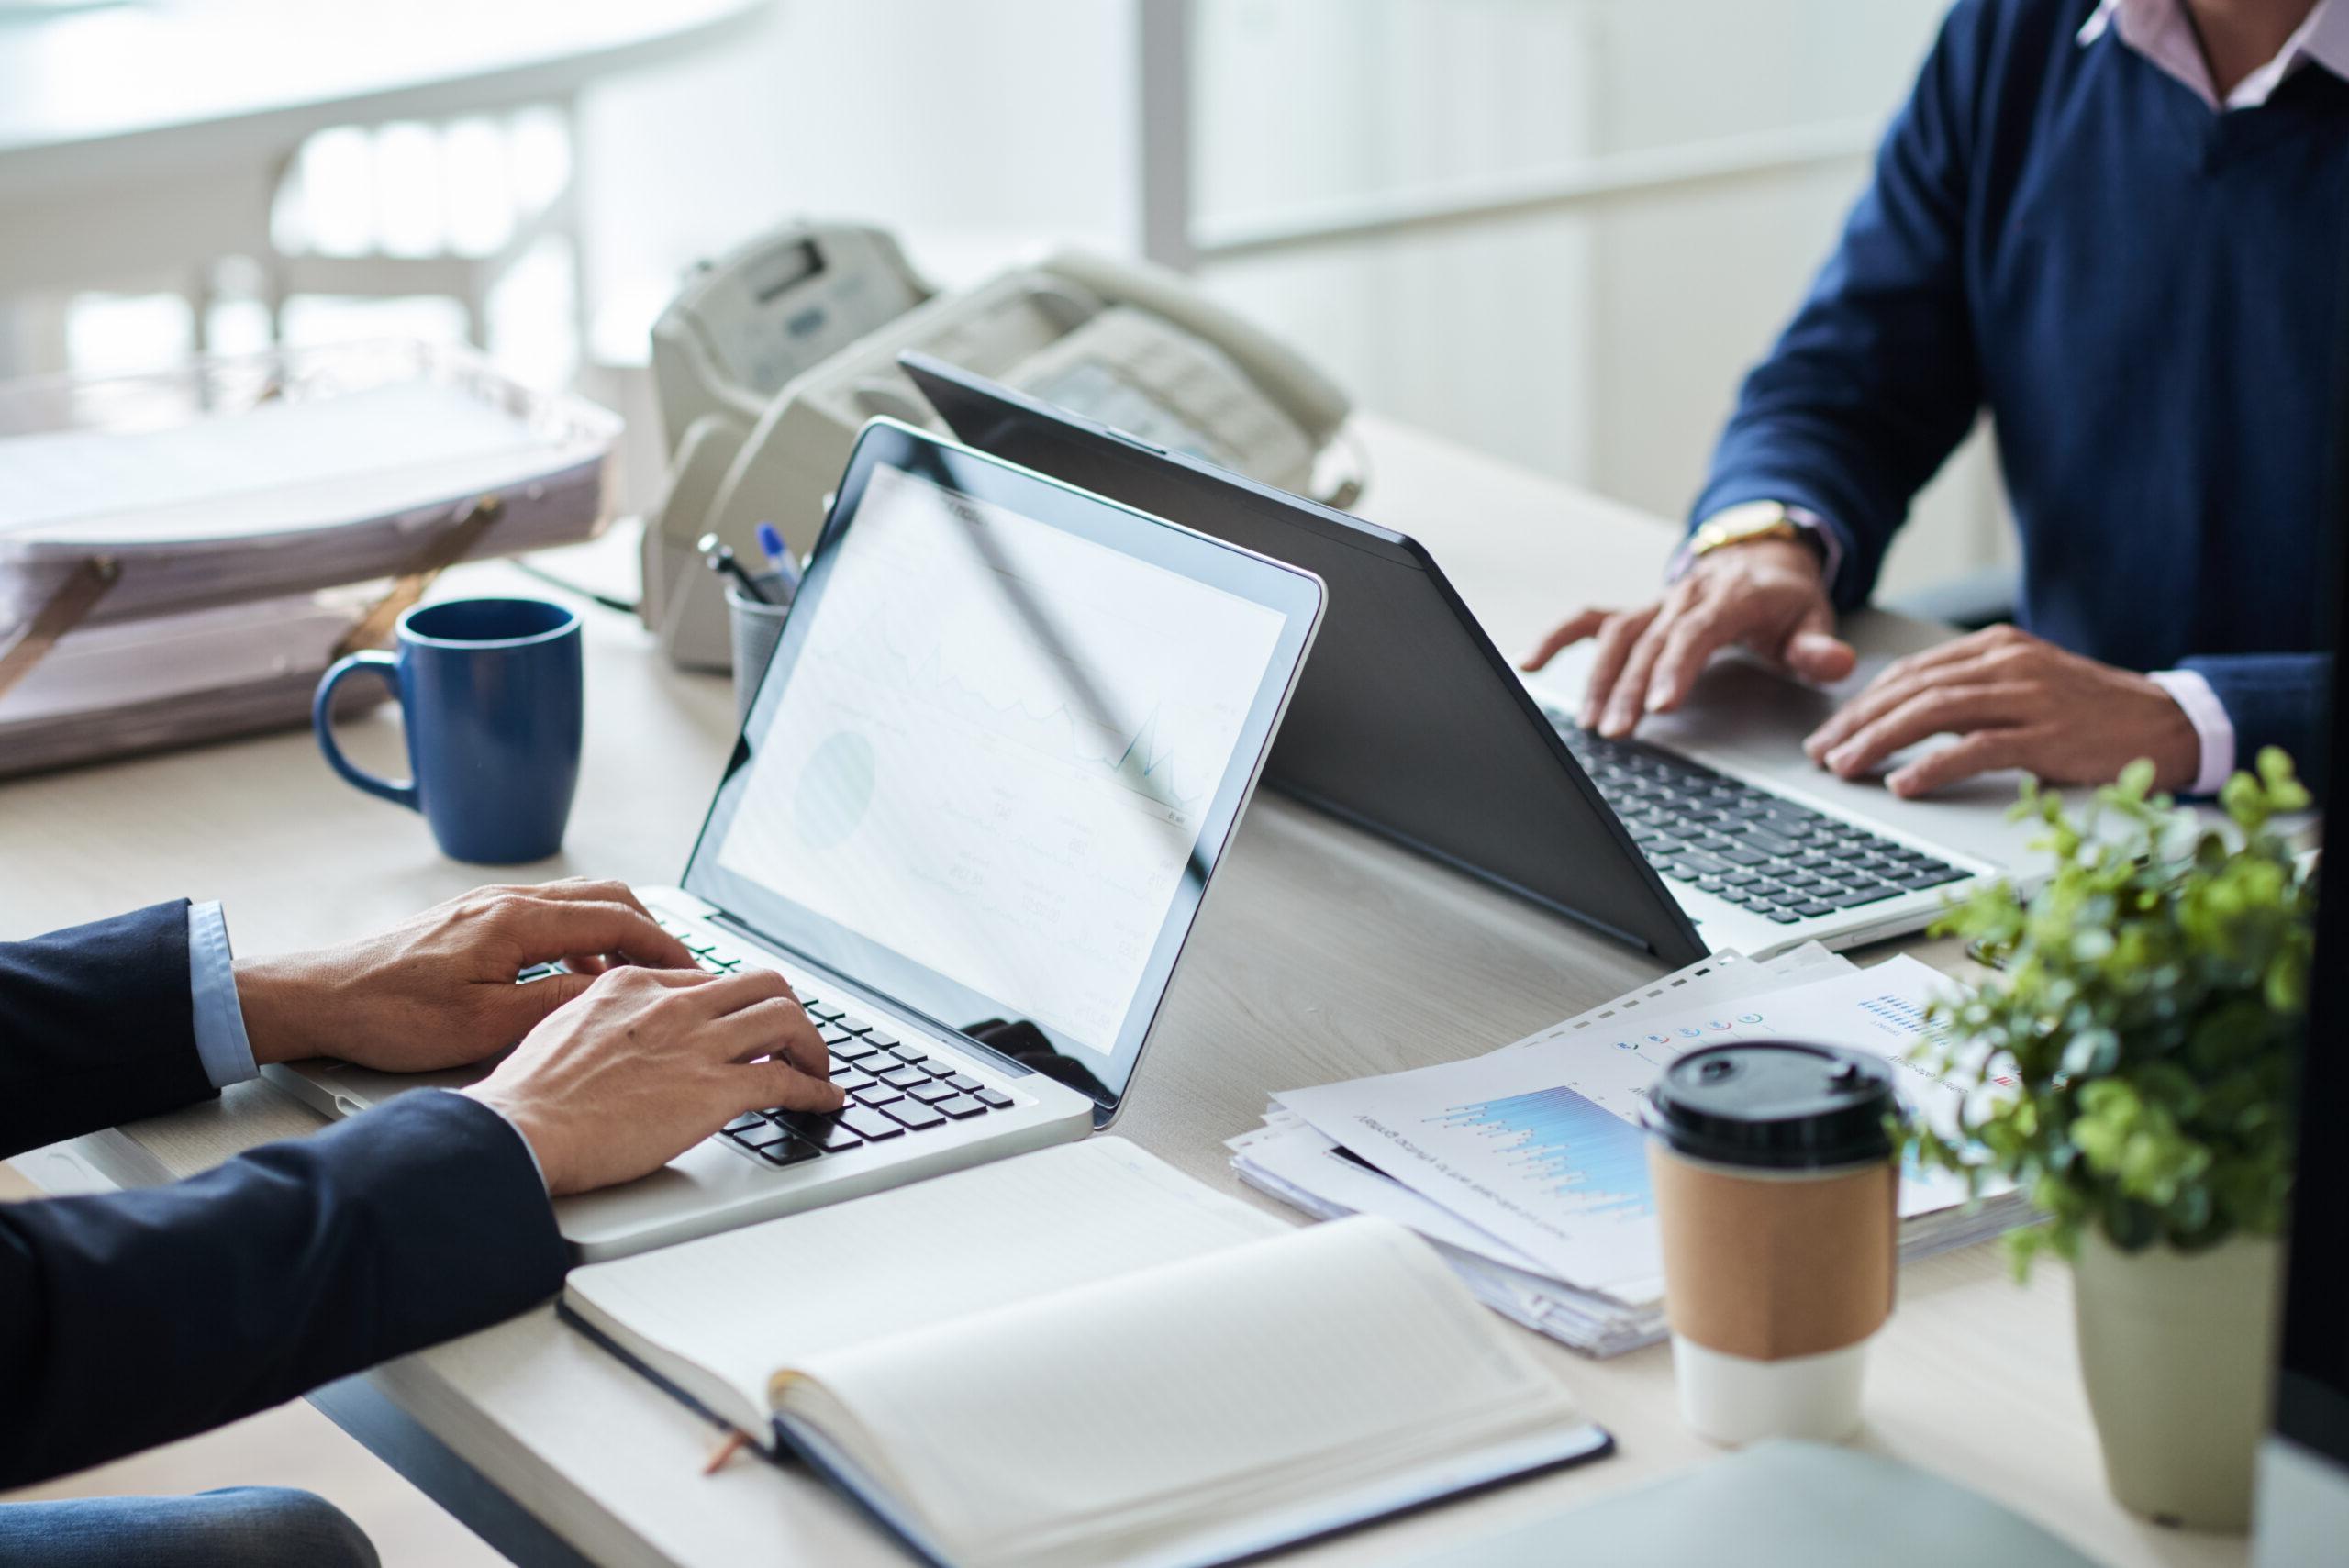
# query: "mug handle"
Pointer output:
{"type": "Point", "coordinates": [385, 665]}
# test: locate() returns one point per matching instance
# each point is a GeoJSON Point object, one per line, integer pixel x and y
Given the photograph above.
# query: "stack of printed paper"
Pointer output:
{"type": "Point", "coordinates": [291, 494]}
{"type": "Point", "coordinates": [1528, 1169]}
{"type": "Point", "coordinates": [176, 549]}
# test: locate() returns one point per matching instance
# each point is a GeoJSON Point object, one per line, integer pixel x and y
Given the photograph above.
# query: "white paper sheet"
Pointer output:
{"type": "Point", "coordinates": [1295, 1153]}
{"type": "Point", "coordinates": [277, 467]}
{"type": "Point", "coordinates": [1541, 1146]}
{"type": "Point", "coordinates": [1723, 978]}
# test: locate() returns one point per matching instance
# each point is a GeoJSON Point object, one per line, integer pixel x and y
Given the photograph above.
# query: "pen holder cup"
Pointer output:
{"type": "Point", "coordinates": [757, 629]}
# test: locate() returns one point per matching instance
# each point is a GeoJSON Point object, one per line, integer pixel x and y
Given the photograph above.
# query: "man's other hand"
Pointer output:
{"type": "Point", "coordinates": [651, 1062]}
{"type": "Point", "coordinates": [437, 989]}
{"type": "Point", "coordinates": [2015, 701]}
{"type": "Point", "coordinates": [1765, 594]}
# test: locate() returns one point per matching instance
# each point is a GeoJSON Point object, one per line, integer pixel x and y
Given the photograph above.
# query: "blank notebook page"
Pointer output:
{"type": "Point", "coordinates": [751, 1301]}
{"type": "Point", "coordinates": [1162, 1401]}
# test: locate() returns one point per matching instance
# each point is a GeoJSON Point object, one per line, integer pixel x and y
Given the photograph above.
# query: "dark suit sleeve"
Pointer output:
{"type": "Point", "coordinates": [96, 1028]}
{"type": "Point", "coordinates": [1876, 382]}
{"type": "Point", "coordinates": [135, 1318]}
{"type": "Point", "coordinates": [2273, 699]}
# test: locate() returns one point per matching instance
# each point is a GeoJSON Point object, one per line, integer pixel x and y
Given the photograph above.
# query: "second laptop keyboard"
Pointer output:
{"type": "Point", "coordinates": [1744, 845]}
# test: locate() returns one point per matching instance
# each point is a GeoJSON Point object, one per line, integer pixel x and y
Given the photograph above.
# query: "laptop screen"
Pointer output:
{"type": "Point", "coordinates": [1007, 734]}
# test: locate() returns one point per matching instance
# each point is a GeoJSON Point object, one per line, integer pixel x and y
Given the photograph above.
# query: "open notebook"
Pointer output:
{"type": "Point", "coordinates": [1082, 1356]}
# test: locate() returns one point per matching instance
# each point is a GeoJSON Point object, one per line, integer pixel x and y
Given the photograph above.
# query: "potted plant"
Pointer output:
{"type": "Point", "coordinates": [2131, 1070]}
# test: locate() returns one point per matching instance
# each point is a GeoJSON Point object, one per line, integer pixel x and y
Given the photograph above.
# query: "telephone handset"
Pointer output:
{"type": "Point", "coordinates": [769, 364]}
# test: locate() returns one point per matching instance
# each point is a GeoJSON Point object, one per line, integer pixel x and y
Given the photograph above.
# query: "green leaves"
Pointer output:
{"type": "Point", "coordinates": [2149, 1005]}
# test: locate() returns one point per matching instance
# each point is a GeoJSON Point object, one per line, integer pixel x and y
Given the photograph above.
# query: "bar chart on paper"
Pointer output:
{"type": "Point", "coordinates": [1556, 1175]}
{"type": "Point", "coordinates": [1590, 1160]}
{"type": "Point", "coordinates": [1541, 1146]}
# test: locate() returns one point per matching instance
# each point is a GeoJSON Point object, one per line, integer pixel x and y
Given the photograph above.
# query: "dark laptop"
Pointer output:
{"type": "Point", "coordinates": [1408, 721]}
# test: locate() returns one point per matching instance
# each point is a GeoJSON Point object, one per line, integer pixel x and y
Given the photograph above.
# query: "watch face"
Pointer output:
{"type": "Point", "coordinates": [1749, 518]}
{"type": "Point", "coordinates": [1746, 521]}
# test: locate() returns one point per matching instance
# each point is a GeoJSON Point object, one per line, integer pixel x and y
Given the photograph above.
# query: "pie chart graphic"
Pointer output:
{"type": "Point", "coordinates": [835, 790]}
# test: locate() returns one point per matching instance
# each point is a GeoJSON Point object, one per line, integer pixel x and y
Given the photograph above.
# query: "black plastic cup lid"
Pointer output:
{"type": "Point", "coordinates": [1775, 1103]}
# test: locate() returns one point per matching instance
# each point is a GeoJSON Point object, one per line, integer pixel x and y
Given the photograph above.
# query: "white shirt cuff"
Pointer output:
{"type": "Point", "coordinates": [2212, 728]}
{"type": "Point", "coordinates": [221, 1044]}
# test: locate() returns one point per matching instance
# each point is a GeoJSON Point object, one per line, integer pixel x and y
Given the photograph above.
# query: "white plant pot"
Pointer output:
{"type": "Point", "coordinates": [2179, 1353]}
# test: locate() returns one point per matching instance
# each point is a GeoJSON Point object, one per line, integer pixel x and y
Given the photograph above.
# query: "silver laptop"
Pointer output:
{"type": "Point", "coordinates": [1007, 734]}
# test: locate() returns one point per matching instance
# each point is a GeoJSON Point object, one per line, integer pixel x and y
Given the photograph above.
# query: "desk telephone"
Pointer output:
{"type": "Point", "coordinates": [770, 360]}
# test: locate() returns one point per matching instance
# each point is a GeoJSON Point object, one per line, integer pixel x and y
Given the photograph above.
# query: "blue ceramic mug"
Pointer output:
{"type": "Point", "coordinates": [490, 694]}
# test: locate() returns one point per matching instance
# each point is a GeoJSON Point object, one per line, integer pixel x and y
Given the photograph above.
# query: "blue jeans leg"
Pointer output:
{"type": "Point", "coordinates": [242, 1526]}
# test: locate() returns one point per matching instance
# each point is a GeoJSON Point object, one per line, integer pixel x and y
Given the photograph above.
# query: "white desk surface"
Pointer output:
{"type": "Point", "coordinates": [1327, 954]}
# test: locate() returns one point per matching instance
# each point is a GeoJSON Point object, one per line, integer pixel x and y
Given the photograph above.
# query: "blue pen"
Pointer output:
{"type": "Point", "coordinates": [778, 560]}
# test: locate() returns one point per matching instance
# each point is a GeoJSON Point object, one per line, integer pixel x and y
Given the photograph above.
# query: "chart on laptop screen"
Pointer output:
{"type": "Point", "coordinates": [995, 748]}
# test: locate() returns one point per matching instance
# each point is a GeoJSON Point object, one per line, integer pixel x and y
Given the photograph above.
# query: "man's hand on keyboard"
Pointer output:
{"type": "Point", "coordinates": [437, 989]}
{"type": "Point", "coordinates": [1767, 594]}
{"type": "Point", "coordinates": [651, 1062]}
{"type": "Point", "coordinates": [2015, 701]}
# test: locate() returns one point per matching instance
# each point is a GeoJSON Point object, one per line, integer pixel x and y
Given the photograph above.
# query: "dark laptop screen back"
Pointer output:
{"type": "Point", "coordinates": [1408, 721]}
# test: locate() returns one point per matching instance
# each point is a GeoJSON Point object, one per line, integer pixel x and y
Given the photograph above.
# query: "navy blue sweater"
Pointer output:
{"type": "Point", "coordinates": [2143, 292]}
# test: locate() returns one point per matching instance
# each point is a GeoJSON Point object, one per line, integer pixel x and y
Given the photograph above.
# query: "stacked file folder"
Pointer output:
{"type": "Point", "coordinates": [1526, 1167]}
{"type": "Point", "coordinates": [178, 552]}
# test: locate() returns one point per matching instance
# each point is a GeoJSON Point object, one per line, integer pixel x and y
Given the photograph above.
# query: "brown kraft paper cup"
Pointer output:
{"type": "Point", "coordinates": [1777, 1195]}
{"type": "Point", "coordinates": [1771, 1264]}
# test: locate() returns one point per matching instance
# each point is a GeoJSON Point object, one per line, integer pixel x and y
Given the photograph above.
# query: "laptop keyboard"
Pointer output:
{"type": "Point", "coordinates": [892, 1088]}
{"type": "Point", "coordinates": [1758, 851]}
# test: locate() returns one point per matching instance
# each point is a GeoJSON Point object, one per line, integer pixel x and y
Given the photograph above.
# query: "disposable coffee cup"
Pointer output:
{"type": "Point", "coordinates": [1777, 1197]}
{"type": "Point", "coordinates": [757, 629]}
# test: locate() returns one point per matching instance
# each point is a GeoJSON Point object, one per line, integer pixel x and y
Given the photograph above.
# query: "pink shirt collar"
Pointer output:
{"type": "Point", "coordinates": [2161, 31]}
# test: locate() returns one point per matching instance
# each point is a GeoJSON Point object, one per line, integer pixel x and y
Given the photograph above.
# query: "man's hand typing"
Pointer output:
{"type": "Point", "coordinates": [437, 989]}
{"type": "Point", "coordinates": [651, 1062]}
{"type": "Point", "coordinates": [1766, 594]}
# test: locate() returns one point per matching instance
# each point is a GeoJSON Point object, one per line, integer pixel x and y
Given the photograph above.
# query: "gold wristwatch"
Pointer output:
{"type": "Point", "coordinates": [1749, 520]}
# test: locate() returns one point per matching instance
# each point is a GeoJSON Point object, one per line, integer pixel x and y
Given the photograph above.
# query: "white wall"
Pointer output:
{"type": "Point", "coordinates": [1483, 334]}
{"type": "Point", "coordinates": [1602, 344]}
{"type": "Point", "coordinates": [975, 130]}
